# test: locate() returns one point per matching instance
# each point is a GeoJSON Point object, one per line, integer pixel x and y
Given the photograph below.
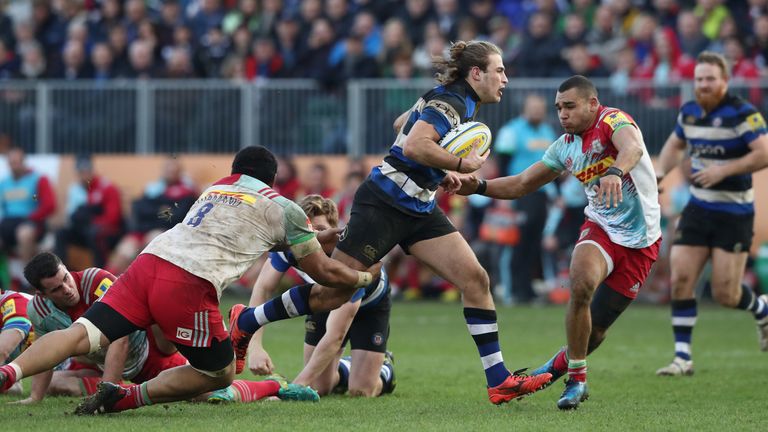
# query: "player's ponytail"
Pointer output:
{"type": "Point", "coordinates": [462, 57]}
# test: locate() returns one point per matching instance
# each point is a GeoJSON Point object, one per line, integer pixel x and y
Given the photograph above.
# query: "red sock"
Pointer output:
{"type": "Point", "coordinates": [561, 362]}
{"type": "Point", "coordinates": [254, 390]}
{"type": "Point", "coordinates": [135, 396]}
{"type": "Point", "coordinates": [88, 384]}
{"type": "Point", "coordinates": [577, 370]}
{"type": "Point", "coordinates": [10, 375]}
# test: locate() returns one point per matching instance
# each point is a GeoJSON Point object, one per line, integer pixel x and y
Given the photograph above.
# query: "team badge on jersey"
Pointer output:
{"type": "Point", "coordinates": [103, 287]}
{"type": "Point", "coordinates": [597, 146]}
{"type": "Point", "coordinates": [616, 120]}
{"type": "Point", "coordinates": [756, 121]}
{"type": "Point", "coordinates": [9, 308]}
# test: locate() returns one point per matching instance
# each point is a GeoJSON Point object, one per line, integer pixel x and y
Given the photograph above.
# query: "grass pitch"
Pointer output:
{"type": "Point", "coordinates": [440, 383]}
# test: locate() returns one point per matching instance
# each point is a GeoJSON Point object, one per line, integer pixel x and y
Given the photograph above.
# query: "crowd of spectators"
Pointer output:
{"type": "Point", "coordinates": [336, 40]}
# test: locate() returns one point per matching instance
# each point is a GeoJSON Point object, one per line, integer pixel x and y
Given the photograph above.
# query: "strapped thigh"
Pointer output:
{"type": "Point", "coordinates": [607, 305]}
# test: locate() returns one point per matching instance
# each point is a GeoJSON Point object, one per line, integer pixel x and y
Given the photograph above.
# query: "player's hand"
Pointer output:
{"type": "Point", "coordinates": [451, 182]}
{"type": "Point", "coordinates": [609, 191]}
{"type": "Point", "coordinates": [328, 238]}
{"type": "Point", "coordinates": [375, 270]}
{"type": "Point", "coordinates": [473, 161]}
{"type": "Point", "coordinates": [28, 401]}
{"type": "Point", "coordinates": [259, 362]}
{"type": "Point", "coordinates": [469, 185]}
{"type": "Point", "coordinates": [709, 176]}
{"type": "Point", "coordinates": [549, 243]}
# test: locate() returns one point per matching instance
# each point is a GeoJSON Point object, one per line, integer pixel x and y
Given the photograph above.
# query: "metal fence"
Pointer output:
{"type": "Point", "coordinates": [288, 116]}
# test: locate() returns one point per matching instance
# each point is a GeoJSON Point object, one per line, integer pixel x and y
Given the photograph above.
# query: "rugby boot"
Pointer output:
{"type": "Point", "coordinates": [389, 364]}
{"type": "Point", "coordinates": [224, 395]}
{"type": "Point", "coordinates": [575, 393]}
{"type": "Point", "coordinates": [678, 367]}
{"type": "Point", "coordinates": [103, 401]}
{"type": "Point", "coordinates": [517, 386]}
{"type": "Point", "coordinates": [239, 338]}
{"type": "Point", "coordinates": [762, 328]}
{"type": "Point", "coordinates": [549, 367]}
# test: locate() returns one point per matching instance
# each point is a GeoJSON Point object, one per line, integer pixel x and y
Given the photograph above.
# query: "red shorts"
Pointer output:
{"type": "Point", "coordinates": [157, 361]}
{"type": "Point", "coordinates": [75, 365]}
{"type": "Point", "coordinates": [627, 268]}
{"type": "Point", "coordinates": [184, 306]}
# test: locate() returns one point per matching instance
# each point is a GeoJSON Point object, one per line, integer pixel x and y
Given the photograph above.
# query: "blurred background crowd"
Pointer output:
{"type": "Point", "coordinates": [336, 40]}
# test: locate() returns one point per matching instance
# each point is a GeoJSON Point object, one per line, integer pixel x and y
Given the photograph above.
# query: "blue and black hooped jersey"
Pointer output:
{"type": "Point", "coordinates": [406, 184]}
{"type": "Point", "coordinates": [715, 138]}
{"type": "Point", "coordinates": [371, 295]}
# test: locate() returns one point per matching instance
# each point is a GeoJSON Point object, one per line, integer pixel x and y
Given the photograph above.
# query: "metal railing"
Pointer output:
{"type": "Point", "coordinates": [288, 116]}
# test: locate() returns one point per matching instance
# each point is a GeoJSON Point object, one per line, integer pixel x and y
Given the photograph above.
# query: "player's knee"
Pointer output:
{"type": "Point", "coordinates": [581, 291]}
{"type": "Point", "coordinates": [725, 295]}
{"type": "Point", "coordinates": [362, 390]}
{"type": "Point", "coordinates": [219, 379]}
{"type": "Point", "coordinates": [477, 280]}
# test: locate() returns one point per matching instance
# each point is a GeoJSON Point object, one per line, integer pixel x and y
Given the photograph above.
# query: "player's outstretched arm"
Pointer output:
{"type": "Point", "coordinates": [336, 327]}
{"type": "Point", "coordinates": [9, 341]}
{"type": "Point", "coordinates": [40, 384]}
{"type": "Point", "coordinates": [114, 363]}
{"type": "Point", "coordinates": [332, 273]}
{"type": "Point", "coordinates": [755, 160]}
{"type": "Point", "coordinates": [421, 146]}
{"type": "Point", "coordinates": [259, 361]}
{"type": "Point", "coordinates": [671, 155]}
{"type": "Point", "coordinates": [511, 187]}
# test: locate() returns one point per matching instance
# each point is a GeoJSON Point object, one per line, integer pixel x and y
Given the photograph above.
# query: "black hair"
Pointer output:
{"type": "Point", "coordinates": [581, 83]}
{"type": "Point", "coordinates": [257, 162]}
{"type": "Point", "coordinates": [42, 266]}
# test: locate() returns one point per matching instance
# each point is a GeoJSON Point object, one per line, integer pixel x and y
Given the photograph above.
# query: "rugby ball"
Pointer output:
{"type": "Point", "coordinates": [459, 140]}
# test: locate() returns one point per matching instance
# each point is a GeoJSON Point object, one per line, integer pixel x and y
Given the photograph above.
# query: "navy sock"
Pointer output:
{"type": "Point", "coordinates": [485, 332]}
{"type": "Point", "coordinates": [683, 320]}
{"type": "Point", "coordinates": [292, 303]}
{"type": "Point", "coordinates": [750, 302]}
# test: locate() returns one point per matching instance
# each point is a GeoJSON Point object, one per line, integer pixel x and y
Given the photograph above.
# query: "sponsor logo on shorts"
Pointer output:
{"type": "Point", "coordinates": [377, 339]}
{"type": "Point", "coordinates": [343, 234]}
{"type": "Point", "coordinates": [310, 326]}
{"type": "Point", "coordinates": [738, 247]}
{"type": "Point", "coordinates": [370, 252]}
{"type": "Point", "coordinates": [183, 333]}
{"type": "Point", "coordinates": [635, 288]}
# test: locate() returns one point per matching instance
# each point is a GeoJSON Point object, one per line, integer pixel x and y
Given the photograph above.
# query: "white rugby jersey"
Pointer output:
{"type": "Point", "coordinates": [232, 224]}
{"type": "Point", "coordinates": [635, 223]}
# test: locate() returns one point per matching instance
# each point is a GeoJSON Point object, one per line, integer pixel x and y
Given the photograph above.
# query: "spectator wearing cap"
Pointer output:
{"type": "Point", "coordinates": [95, 217]}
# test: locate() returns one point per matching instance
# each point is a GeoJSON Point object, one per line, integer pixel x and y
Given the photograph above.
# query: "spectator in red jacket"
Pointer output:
{"type": "Point", "coordinates": [95, 215]}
